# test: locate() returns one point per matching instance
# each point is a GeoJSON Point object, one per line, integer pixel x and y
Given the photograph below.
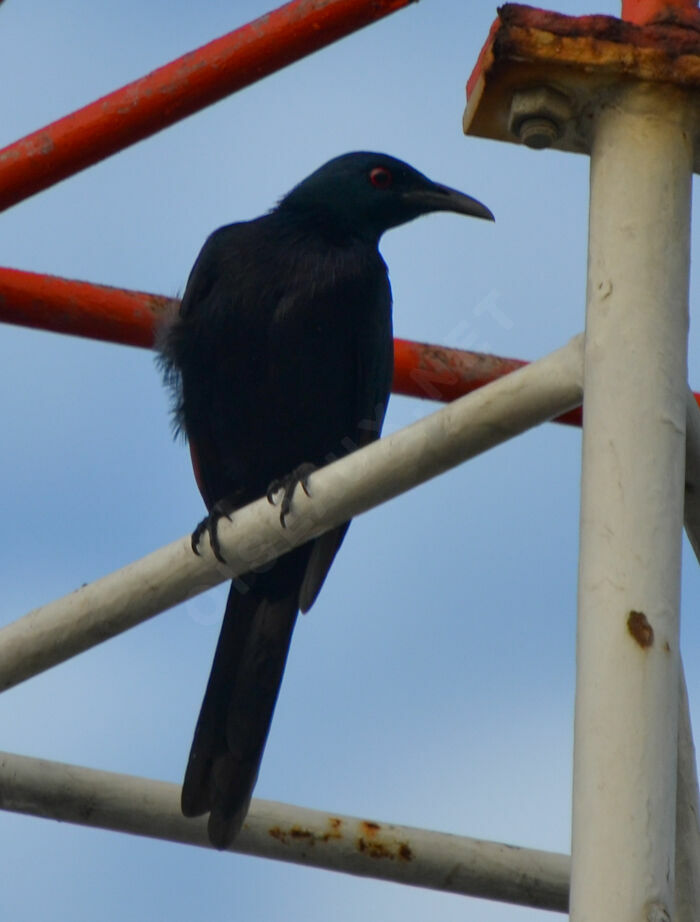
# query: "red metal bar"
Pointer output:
{"type": "Point", "coordinates": [47, 302]}
{"type": "Point", "coordinates": [642, 12]}
{"type": "Point", "coordinates": [178, 89]}
{"type": "Point", "coordinates": [132, 318]}
{"type": "Point", "coordinates": [441, 373]}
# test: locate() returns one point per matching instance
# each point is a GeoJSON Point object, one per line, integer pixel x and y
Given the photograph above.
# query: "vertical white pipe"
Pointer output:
{"type": "Point", "coordinates": [624, 795]}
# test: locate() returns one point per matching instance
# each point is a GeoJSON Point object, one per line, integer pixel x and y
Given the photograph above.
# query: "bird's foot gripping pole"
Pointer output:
{"type": "Point", "coordinates": [223, 509]}
{"type": "Point", "coordinates": [299, 477]}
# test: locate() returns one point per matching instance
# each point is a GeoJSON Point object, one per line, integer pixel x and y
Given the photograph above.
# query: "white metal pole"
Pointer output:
{"type": "Point", "coordinates": [402, 854]}
{"type": "Point", "coordinates": [627, 691]}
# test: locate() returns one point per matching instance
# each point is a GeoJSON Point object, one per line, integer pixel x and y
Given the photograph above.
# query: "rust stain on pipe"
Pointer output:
{"type": "Point", "coordinates": [300, 833]}
{"type": "Point", "coordinates": [371, 839]}
{"type": "Point", "coordinates": [639, 627]}
{"type": "Point", "coordinates": [372, 843]}
{"type": "Point", "coordinates": [663, 50]}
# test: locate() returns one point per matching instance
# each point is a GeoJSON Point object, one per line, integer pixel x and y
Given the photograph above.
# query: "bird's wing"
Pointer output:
{"type": "Point", "coordinates": [374, 371]}
{"type": "Point", "coordinates": [209, 356]}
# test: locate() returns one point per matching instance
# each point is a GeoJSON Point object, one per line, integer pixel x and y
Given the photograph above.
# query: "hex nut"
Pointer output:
{"type": "Point", "coordinates": [538, 115]}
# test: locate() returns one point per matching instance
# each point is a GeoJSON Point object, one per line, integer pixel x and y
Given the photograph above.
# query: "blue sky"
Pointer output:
{"type": "Point", "coordinates": [432, 683]}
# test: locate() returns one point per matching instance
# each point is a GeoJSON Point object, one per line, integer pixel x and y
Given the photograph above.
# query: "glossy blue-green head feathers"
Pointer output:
{"type": "Point", "coordinates": [365, 194]}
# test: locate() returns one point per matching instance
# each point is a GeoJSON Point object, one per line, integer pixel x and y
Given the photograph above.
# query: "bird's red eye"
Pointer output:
{"type": "Point", "coordinates": [380, 177]}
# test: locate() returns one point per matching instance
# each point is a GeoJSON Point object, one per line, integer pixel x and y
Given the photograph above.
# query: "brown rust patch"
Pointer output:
{"type": "Point", "coordinates": [675, 35]}
{"type": "Point", "coordinates": [301, 833]}
{"type": "Point", "coordinates": [335, 830]}
{"type": "Point", "coordinates": [374, 849]}
{"type": "Point", "coordinates": [639, 627]}
{"type": "Point", "coordinates": [369, 843]}
{"type": "Point", "coordinates": [294, 833]}
{"type": "Point", "coordinates": [405, 852]}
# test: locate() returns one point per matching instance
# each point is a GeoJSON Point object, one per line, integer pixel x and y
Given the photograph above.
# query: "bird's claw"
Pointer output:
{"type": "Point", "coordinates": [298, 477]}
{"type": "Point", "coordinates": [220, 510]}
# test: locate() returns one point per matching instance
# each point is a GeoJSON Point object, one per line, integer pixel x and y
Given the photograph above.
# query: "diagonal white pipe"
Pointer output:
{"type": "Point", "coordinates": [366, 848]}
{"type": "Point", "coordinates": [340, 491]}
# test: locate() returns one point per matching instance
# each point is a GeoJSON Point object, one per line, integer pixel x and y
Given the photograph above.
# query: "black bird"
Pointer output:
{"type": "Point", "coordinates": [280, 359]}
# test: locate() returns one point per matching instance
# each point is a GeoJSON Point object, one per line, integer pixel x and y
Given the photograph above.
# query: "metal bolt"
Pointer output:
{"type": "Point", "coordinates": [538, 116]}
{"type": "Point", "coordinates": [538, 132]}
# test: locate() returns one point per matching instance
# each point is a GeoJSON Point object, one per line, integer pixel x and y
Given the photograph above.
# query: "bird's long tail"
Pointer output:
{"type": "Point", "coordinates": [240, 698]}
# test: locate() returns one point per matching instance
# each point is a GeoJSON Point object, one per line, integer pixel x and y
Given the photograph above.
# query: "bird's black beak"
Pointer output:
{"type": "Point", "coordinates": [434, 197]}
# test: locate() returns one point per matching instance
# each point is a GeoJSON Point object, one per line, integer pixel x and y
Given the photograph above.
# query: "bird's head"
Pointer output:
{"type": "Point", "coordinates": [364, 194]}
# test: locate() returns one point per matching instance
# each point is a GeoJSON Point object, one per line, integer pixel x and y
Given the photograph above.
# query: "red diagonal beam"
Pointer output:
{"type": "Point", "coordinates": [46, 302]}
{"type": "Point", "coordinates": [441, 373]}
{"type": "Point", "coordinates": [132, 318]}
{"type": "Point", "coordinates": [178, 89]}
